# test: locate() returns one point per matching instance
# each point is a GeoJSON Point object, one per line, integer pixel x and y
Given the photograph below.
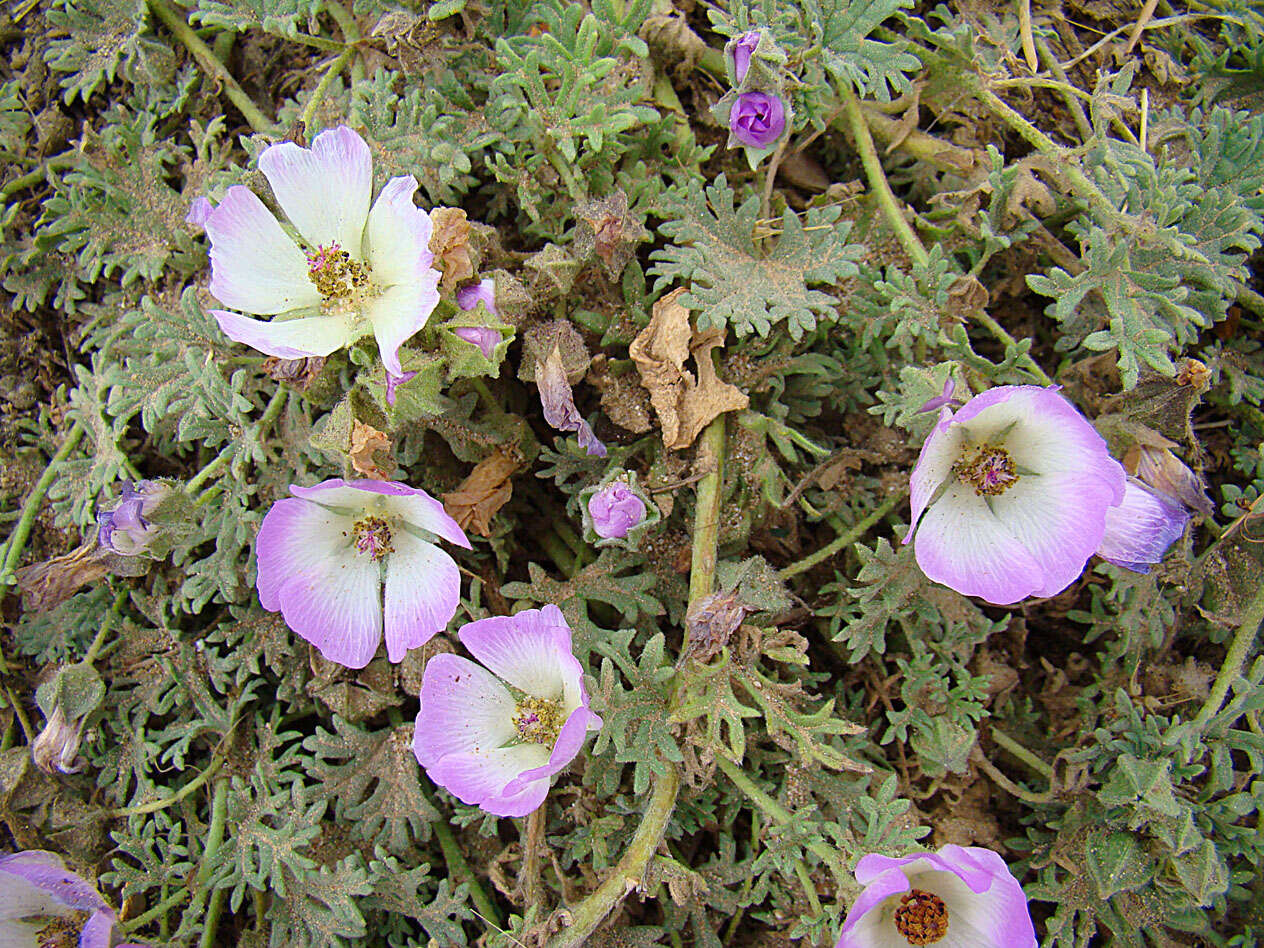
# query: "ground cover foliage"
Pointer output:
{"type": "Point", "coordinates": [988, 193]}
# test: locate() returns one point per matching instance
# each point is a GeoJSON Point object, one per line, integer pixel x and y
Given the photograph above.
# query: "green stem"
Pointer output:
{"type": "Point", "coordinates": [845, 539]}
{"type": "Point", "coordinates": [1234, 661]}
{"type": "Point", "coordinates": [1002, 335]}
{"type": "Point", "coordinates": [214, 838]}
{"type": "Point", "coordinates": [706, 520]}
{"type": "Point", "coordinates": [346, 22]}
{"type": "Point", "coordinates": [106, 624]}
{"type": "Point", "coordinates": [158, 910]}
{"type": "Point", "coordinates": [204, 475]}
{"type": "Point", "coordinates": [1023, 754]}
{"type": "Point", "coordinates": [154, 806]}
{"type": "Point", "coordinates": [309, 110]}
{"type": "Point", "coordinates": [630, 870]}
{"type": "Point", "coordinates": [17, 542]}
{"type": "Point", "coordinates": [770, 806]}
{"type": "Point", "coordinates": [460, 869]}
{"type": "Point", "coordinates": [206, 59]}
{"type": "Point", "coordinates": [878, 180]}
{"type": "Point", "coordinates": [316, 42]}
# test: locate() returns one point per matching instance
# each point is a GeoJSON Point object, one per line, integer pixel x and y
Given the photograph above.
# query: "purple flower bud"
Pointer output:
{"type": "Point", "coordinates": [393, 381]}
{"type": "Point", "coordinates": [199, 211]}
{"type": "Point", "coordinates": [741, 50]}
{"type": "Point", "coordinates": [470, 295]}
{"type": "Point", "coordinates": [615, 510]}
{"type": "Point", "coordinates": [484, 337]}
{"type": "Point", "coordinates": [1139, 530]}
{"type": "Point", "coordinates": [124, 530]}
{"type": "Point", "coordinates": [757, 119]}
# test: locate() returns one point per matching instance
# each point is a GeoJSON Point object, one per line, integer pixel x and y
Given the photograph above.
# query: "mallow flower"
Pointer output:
{"type": "Point", "coordinates": [38, 893]}
{"type": "Point", "coordinates": [342, 270]}
{"type": "Point", "coordinates": [345, 561]}
{"type": "Point", "coordinates": [958, 897]}
{"type": "Point", "coordinates": [757, 119]}
{"type": "Point", "coordinates": [1010, 495]}
{"type": "Point", "coordinates": [494, 734]}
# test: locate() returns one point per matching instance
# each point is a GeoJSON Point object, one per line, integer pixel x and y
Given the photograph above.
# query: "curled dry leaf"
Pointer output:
{"type": "Point", "coordinates": [684, 406]}
{"type": "Point", "coordinates": [450, 243]}
{"type": "Point", "coordinates": [366, 442]}
{"type": "Point", "coordinates": [483, 493]}
{"type": "Point", "coordinates": [50, 583]}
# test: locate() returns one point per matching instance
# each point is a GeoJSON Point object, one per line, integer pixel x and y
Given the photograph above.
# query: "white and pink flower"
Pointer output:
{"type": "Point", "coordinates": [958, 897]}
{"type": "Point", "coordinates": [494, 736]}
{"type": "Point", "coordinates": [341, 270]}
{"type": "Point", "coordinates": [1010, 495]}
{"type": "Point", "coordinates": [38, 893]}
{"type": "Point", "coordinates": [348, 561]}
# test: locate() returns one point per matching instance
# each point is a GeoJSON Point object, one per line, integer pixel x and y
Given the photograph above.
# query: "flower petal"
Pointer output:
{"type": "Point", "coordinates": [1139, 531]}
{"type": "Point", "coordinates": [423, 589]}
{"type": "Point", "coordinates": [532, 651]}
{"type": "Point", "coordinates": [255, 267]}
{"type": "Point", "coordinates": [569, 740]}
{"type": "Point", "coordinates": [15, 934]}
{"type": "Point", "coordinates": [324, 190]}
{"type": "Point", "coordinates": [963, 545]}
{"type": "Point", "coordinates": [464, 709]}
{"type": "Point", "coordinates": [412, 504]}
{"type": "Point", "coordinates": [398, 313]}
{"type": "Point", "coordinates": [866, 925]}
{"type": "Point", "coordinates": [397, 236]}
{"type": "Point", "coordinates": [328, 594]}
{"type": "Point", "coordinates": [98, 931]}
{"type": "Point", "coordinates": [480, 779]}
{"type": "Point", "coordinates": [941, 450]}
{"type": "Point", "coordinates": [1059, 519]}
{"type": "Point", "coordinates": [287, 338]}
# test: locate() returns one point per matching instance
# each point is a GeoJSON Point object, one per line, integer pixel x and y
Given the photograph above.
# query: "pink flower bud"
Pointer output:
{"type": "Point", "coordinates": [615, 510]}
{"type": "Point", "coordinates": [757, 119]}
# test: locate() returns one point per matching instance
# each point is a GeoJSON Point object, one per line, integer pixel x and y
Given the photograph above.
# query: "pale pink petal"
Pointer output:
{"type": "Point", "coordinates": [327, 593]}
{"type": "Point", "coordinates": [464, 709]}
{"type": "Point", "coordinates": [998, 912]}
{"type": "Point", "coordinates": [532, 651]}
{"type": "Point", "coordinates": [866, 928]}
{"type": "Point", "coordinates": [287, 338]}
{"type": "Point", "coordinates": [480, 778]}
{"type": "Point", "coordinates": [399, 313]}
{"type": "Point", "coordinates": [255, 267]}
{"type": "Point", "coordinates": [351, 495]}
{"type": "Point", "coordinates": [324, 190]}
{"type": "Point", "coordinates": [15, 934]}
{"type": "Point", "coordinates": [486, 338]}
{"type": "Point", "coordinates": [421, 510]}
{"type": "Point", "coordinates": [963, 545]}
{"type": "Point", "coordinates": [423, 590]}
{"type": "Point", "coordinates": [941, 450]}
{"type": "Point", "coordinates": [1139, 531]}
{"type": "Point", "coordinates": [1059, 519]}
{"type": "Point", "coordinates": [397, 237]}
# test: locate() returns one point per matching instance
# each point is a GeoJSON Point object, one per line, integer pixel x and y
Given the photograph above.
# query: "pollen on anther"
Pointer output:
{"type": "Point", "coordinates": [922, 917]}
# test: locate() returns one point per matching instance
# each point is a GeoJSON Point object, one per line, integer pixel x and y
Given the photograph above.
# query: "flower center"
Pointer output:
{"type": "Point", "coordinates": [372, 536]}
{"type": "Point", "coordinates": [62, 932]}
{"type": "Point", "coordinates": [538, 720]}
{"type": "Point", "coordinates": [922, 918]}
{"type": "Point", "coordinates": [989, 469]}
{"type": "Point", "coordinates": [334, 273]}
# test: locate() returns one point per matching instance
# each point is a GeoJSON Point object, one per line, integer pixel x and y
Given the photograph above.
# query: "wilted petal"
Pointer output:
{"type": "Point", "coordinates": [393, 382]}
{"type": "Point", "coordinates": [1139, 531]}
{"type": "Point", "coordinates": [615, 509]}
{"type": "Point", "coordinates": [469, 296]}
{"type": "Point", "coordinates": [199, 212]}
{"type": "Point", "coordinates": [324, 190]}
{"type": "Point", "coordinates": [486, 338]}
{"type": "Point", "coordinates": [559, 403]}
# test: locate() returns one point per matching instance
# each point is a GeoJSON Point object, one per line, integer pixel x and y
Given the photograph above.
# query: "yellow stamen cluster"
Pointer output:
{"type": "Point", "coordinates": [988, 469]}
{"type": "Point", "coordinates": [922, 918]}
{"type": "Point", "coordinates": [372, 536]}
{"type": "Point", "coordinates": [538, 720]}
{"type": "Point", "coordinates": [334, 273]}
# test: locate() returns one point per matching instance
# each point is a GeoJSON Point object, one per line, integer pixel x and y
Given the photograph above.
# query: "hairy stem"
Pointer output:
{"type": "Point", "coordinates": [166, 905]}
{"type": "Point", "coordinates": [206, 59]}
{"type": "Point", "coordinates": [1234, 661]}
{"type": "Point", "coordinates": [460, 869]}
{"type": "Point", "coordinates": [214, 838]}
{"type": "Point", "coordinates": [844, 540]}
{"type": "Point", "coordinates": [630, 870]}
{"type": "Point", "coordinates": [706, 520]}
{"type": "Point", "coordinates": [768, 805]}
{"type": "Point", "coordinates": [335, 67]}
{"type": "Point", "coordinates": [1033, 762]}
{"type": "Point", "coordinates": [909, 240]}
{"type": "Point", "coordinates": [22, 532]}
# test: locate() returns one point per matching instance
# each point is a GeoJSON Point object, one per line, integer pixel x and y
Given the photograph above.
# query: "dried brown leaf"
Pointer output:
{"type": "Point", "coordinates": [483, 493]}
{"type": "Point", "coordinates": [450, 243]}
{"type": "Point", "coordinates": [366, 442]}
{"type": "Point", "coordinates": [684, 406]}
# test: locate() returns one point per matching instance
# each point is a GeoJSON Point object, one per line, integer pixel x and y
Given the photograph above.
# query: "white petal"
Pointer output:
{"type": "Point", "coordinates": [941, 450]}
{"type": "Point", "coordinates": [422, 510]}
{"type": "Point", "coordinates": [324, 190]}
{"type": "Point", "coordinates": [398, 313]}
{"type": "Point", "coordinates": [287, 338]}
{"type": "Point", "coordinates": [255, 267]}
{"type": "Point", "coordinates": [531, 650]}
{"type": "Point", "coordinates": [423, 590]}
{"type": "Point", "coordinates": [464, 709]}
{"type": "Point", "coordinates": [397, 237]}
{"type": "Point", "coordinates": [15, 934]}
